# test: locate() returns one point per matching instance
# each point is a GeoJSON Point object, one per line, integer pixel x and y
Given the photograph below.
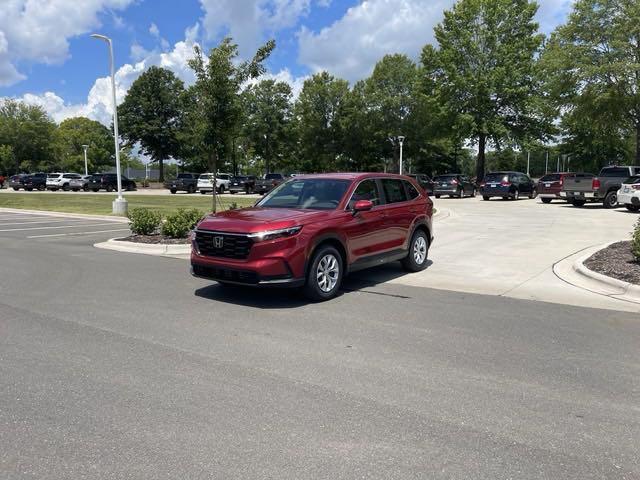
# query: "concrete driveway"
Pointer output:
{"type": "Point", "coordinates": [508, 248]}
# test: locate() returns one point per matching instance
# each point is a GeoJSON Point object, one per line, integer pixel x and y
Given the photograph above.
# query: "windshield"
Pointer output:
{"type": "Point", "coordinates": [309, 193]}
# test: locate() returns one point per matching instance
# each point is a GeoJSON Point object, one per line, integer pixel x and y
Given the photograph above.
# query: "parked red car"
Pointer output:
{"type": "Point", "coordinates": [312, 230]}
{"type": "Point", "coordinates": [550, 186]}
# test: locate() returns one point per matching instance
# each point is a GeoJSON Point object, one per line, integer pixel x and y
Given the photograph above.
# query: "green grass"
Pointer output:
{"type": "Point", "coordinates": [101, 204]}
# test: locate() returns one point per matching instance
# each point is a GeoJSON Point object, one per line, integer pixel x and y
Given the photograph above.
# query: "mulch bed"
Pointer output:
{"type": "Point", "coordinates": [155, 239]}
{"type": "Point", "coordinates": [616, 261]}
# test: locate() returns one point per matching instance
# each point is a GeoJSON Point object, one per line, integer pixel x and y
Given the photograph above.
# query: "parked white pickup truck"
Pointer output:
{"type": "Point", "coordinates": [205, 182]}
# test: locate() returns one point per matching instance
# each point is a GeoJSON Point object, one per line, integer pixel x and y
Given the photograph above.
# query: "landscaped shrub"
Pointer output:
{"type": "Point", "coordinates": [143, 221]}
{"type": "Point", "coordinates": [180, 223]}
{"type": "Point", "coordinates": [635, 241]}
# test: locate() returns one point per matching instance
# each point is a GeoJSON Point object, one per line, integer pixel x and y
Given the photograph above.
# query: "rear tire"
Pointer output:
{"type": "Point", "coordinates": [437, 196]}
{"type": "Point", "coordinates": [611, 200]}
{"type": "Point", "coordinates": [515, 195]}
{"type": "Point", "coordinates": [95, 189]}
{"type": "Point", "coordinates": [191, 189]}
{"type": "Point", "coordinates": [173, 191]}
{"type": "Point", "coordinates": [578, 203]}
{"type": "Point", "coordinates": [632, 208]}
{"type": "Point", "coordinates": [473, 193]}
{"type": "Point", "coordinates": [461, 193]}
{"type": "Point", "coordinates": [546, 200]}
{"type": "Point", "coordinates": [416, 259]}
{"type": "Point", "coordinates": [486, 198]}
{"type": "Point", "coordinates": [16, 189]}
{"type": "Point", "coordinates": [325, 274]}
{"type": "Point", "coordinates": [533, 194]}
{"type": "Point", "coordinates": [109, 188]}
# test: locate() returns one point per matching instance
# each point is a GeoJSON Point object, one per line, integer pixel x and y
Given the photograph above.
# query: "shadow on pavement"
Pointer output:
{"type": "Point", "coordinates": [280, 298]}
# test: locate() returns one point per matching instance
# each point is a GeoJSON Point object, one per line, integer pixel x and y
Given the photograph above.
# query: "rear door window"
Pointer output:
{"type": "Point", "coordinates": [553, 177]}
{"type": "Point", "coordinates": [412, 192]}
{"type": "Point", "coordinates": [393, 190]}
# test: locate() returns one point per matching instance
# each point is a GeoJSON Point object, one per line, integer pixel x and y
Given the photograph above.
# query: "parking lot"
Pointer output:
{"type": "Point", "coordinates": [121, 365]}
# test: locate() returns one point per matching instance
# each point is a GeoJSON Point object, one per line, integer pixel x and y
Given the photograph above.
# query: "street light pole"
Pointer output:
{"type": "Point", "coordinates": [86, 170]}
{"type": "Point", "coordinates": [528, 161]}
{"type": "Point", "coordinates": [119, 204]}
{"type": "Point", "coordinates": [401, 140]}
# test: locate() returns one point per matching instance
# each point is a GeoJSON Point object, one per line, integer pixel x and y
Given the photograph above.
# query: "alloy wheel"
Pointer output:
{"type": "Point", "coordinates": [328, 273]}
{"type": "Point", "coordinates": [420, 250]}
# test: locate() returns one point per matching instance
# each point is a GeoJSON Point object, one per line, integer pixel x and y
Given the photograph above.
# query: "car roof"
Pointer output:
{"type": "Point", "coordinates": [351, 175]}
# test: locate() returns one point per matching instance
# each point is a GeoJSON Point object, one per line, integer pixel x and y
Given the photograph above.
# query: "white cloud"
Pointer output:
{"type": "Point", "coordinates": [39, 30]}
{"type": "Point", "coordinates": [154, 30]}
{"type": "Point", "coordinates": [352, 45]}
{"type": "Point", "coordinates": [249, 21]}
{"type": "Point", "coordinates": [99, 103]}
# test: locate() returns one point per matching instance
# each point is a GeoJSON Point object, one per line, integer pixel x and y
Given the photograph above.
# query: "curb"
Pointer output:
{"type": "Point", "coordinates": [49, 213]}
{"type": "Point", "coordinates": [579, 275]}
{"type": "Point", "coordinates": [174, 251]}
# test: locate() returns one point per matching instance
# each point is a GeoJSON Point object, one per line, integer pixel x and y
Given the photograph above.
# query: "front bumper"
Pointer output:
{"type": "Point", "coordinates": [239, 276]}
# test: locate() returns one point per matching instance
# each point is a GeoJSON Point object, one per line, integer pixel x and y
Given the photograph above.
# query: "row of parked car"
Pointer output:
{"type": "Point", "coordinates": [69, 182]}
{"type": "Point", "coordinates": [224, 182]}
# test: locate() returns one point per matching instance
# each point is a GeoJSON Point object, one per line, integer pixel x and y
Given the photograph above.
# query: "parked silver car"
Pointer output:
{"type": "Point", "coordinates": [81, 183]}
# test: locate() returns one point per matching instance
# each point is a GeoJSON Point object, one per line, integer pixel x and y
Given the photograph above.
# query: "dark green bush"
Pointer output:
{"type": "Point", "coordinates": [143, 221]}
{"type": "Point", "coordinates": [179, 224]}
{"type": "Point", "coordinates": [635, 241]}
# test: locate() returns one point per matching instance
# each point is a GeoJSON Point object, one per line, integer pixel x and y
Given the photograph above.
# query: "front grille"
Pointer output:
{"type": "Point", "coordinates": [226, 274]}
{"type": "Point", "coordinates": [223, 245]}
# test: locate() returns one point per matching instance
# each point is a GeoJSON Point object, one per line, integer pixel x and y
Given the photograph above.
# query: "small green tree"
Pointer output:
{"type": "Point", "coordinates": [152, 114]}
{"type": "Point", "coordinates": [635, 241]}
{"type": "Point", "coordinates": [215, 106]}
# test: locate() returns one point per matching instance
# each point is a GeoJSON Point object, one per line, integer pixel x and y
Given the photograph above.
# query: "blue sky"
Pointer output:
{"type": "Point", "coordinates": [48, 58]}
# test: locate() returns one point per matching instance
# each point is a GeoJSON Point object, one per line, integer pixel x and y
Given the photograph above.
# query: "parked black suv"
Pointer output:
{"type": "Point", "coordinates": [508, 185]}
{"type": "Point", "coordinates": [454, 185]}
{"type": "Point", "coordinates": [424, 181]}
{"type": "Point", "coordinates": [35, 181]}
{"type": "Point", "coordinates": [109, 182]}
{"type": "Point", "coordinates": [187, 182]}
{"type": "Point", "coordinates": [242, 183]}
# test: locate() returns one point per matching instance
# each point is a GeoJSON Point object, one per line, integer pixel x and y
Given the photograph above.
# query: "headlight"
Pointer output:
{"type": "Point", "coordinates": [273, 234]}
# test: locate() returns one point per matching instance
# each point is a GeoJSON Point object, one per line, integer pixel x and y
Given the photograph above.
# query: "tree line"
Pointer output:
{"type": "Point", "coordinates": [491, 87]}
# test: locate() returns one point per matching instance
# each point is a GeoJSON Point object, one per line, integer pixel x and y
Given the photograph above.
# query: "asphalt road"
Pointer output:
{"type": "Point", "coordinates": [120, 366]}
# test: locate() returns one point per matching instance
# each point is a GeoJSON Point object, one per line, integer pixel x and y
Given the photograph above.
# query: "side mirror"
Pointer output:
{"type": "Point", "coordinates": [362, 206]}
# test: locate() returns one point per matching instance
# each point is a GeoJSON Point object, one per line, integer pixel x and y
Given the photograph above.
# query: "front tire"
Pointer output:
{"type": "Point", "coordinates": [173, 191]}
{"type": "Point", "coordinates": [325, 274]}
{"type": "Point", "coordinates": [546, 200]}
{"type": "Point", "coordinates": [578, 203]}
{"type": "Point", "coordinates": [486, 198]}
{"type": "Point", "coordinates": [416, 259]}
{"type": "Point", "coordinates": [533, 194]}
{"type": "Point", "coordinates": [461, 193]}
{"type": "Point", "coordinates": [437, 196]}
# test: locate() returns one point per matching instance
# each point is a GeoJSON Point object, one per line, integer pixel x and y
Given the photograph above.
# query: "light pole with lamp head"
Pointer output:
{"type": "Point", "coordinates": [401, 141]}
{"type": "Point", "coordinates": [119, 204]}
{"type": "Point", "coordinates": [86, 169]}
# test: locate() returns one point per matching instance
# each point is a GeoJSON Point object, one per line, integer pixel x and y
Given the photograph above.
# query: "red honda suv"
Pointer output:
{"type": "Point", "coordinates": [312, 230]}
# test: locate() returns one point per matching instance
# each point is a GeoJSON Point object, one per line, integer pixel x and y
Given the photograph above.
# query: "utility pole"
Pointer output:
{"type": "Point", "coordinates": [546, 163]}
{"type": "Point", "coordinates": [86, 170]}
{"type": "Point", "coordinates": [401, 140]}
{"type": "Point", "coordinates": [528, 161]}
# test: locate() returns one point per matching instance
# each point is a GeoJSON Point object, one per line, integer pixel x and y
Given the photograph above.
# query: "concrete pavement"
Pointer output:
{"type": "Point", "coordinates": [123, 366]}
{"type": "Point", "coordinates": [508, 248]}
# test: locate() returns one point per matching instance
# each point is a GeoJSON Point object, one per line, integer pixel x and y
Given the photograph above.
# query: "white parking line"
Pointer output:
{"type": "Point", "coordinates": [48, 228]}
{"type": "Point", "coordinates": [78, 233]}
{"type": "Point", "coordinates": [43, 221]}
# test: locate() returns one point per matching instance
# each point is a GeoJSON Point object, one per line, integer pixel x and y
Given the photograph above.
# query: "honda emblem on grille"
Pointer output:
{"type": "Point", "coordinates": [218, 242]}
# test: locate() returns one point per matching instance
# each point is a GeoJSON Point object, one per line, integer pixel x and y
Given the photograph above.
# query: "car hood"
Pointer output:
{"type": "Point", "coordinates": [256, 219]}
